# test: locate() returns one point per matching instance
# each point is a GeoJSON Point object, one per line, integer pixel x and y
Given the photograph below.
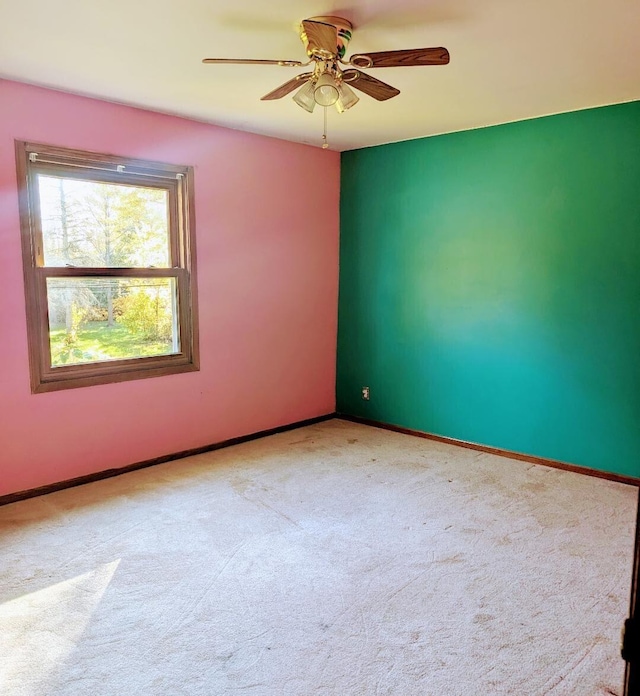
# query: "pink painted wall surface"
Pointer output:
{"type": "Point", "coordinates": [267, 289]}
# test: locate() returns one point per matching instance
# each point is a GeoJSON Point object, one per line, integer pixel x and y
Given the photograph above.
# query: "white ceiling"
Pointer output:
{"type": "Point", "coordinates": [510, 59]}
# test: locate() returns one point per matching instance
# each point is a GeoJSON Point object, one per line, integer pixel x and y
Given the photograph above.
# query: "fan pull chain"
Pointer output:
{"type": "Point", "coordinates": [325, 142]}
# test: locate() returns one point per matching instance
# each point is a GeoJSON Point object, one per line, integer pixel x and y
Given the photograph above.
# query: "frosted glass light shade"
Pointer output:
{"type": "Point", "coordinates": [304, 97]}
{"type": "Point", "coordinates": [326, 91]}
{"type": "Point", "coordinates": [347, 98]}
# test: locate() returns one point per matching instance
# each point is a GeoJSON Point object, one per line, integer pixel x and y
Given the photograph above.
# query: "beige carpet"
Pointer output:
{"type": "Point", "coordinates": [334, 560]}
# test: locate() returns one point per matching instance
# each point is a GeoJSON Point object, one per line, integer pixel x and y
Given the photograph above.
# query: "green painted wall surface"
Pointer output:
{"type": "Point", "coordinates": [490, 286]}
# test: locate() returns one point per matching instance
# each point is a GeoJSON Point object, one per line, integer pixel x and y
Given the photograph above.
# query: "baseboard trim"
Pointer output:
{"type": "Point", "coordinates": [110, 473]}
{"type": "Point", "coordinates": [553, 463]}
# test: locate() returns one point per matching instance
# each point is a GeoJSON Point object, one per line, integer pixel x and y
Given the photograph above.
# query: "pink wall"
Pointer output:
{"type": "Point", "coordinates": [267, 286]}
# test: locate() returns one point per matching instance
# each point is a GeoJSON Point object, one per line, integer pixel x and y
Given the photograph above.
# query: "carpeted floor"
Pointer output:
{"type": "Point", "coordinates": [334, 560]}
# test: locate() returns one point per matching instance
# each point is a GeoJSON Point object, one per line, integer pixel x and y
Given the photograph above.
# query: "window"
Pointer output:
{"type": "Point", "coordinates": [109, 266]}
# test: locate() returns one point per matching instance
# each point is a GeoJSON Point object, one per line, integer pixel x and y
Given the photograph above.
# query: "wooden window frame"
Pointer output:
{"type": "Point", "coordinates": [33, 159]}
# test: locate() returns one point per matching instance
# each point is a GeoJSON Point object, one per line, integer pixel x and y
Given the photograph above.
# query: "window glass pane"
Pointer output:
{"type": "Point", "coordinates": [97, 319]}
{"type": "Point", "coordinates": [89, 223]}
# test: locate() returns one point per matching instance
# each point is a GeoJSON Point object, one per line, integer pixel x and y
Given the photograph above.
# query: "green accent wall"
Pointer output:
{"type": "Point", "coordinates": [490, 286]}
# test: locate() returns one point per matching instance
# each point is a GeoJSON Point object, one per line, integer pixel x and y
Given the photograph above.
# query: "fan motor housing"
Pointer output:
{"type": "Point", "coordinates": [344, 29]}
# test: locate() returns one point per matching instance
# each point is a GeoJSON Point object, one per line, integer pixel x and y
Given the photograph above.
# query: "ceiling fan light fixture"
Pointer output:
{"type": "Point", "coordinates": [304, 97]}
{"type": "Point", "coordinates": [326, 90]}
{"type": "Point", "coordinates": [347, 99]}
{"type": "Point", "coordinates": [325, 39]}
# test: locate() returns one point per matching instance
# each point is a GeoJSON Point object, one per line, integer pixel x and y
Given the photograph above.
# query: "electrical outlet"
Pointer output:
{"type": "Point", "coordinates": [365, 393]}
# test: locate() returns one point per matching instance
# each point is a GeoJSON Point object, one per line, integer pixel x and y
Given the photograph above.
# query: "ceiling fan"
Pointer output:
{"type": "Point", "coordinates": [327, 84]}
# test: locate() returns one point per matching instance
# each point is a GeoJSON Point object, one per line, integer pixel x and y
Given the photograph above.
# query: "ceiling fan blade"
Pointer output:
{"type": "Point", "coordinates": [321, 38]}
{"type": "Point", "coordinates": [287, 87]}
{"type": "Point", "coordinates": [397, 59]}
{"type": "Point", "coordinates": [369, 85]}
{"type": "Point", "coordinates": [252, 61]}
